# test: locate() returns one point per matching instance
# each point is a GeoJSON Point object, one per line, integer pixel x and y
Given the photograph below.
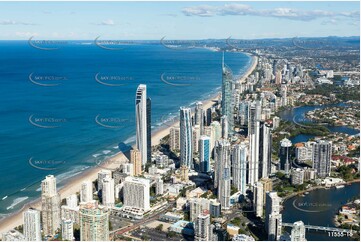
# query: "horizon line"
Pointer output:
{"type": "Point", "coordinates": [202, 39]}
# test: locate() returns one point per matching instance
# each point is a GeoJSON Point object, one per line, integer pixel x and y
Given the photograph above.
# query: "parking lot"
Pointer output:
{"type": "Point", "coordinates": [118, 222]}
{"type": "Point", "coordinates": [155, 235]}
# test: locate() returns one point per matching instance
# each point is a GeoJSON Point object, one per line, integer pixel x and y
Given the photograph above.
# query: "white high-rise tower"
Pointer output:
{"type": "Point", "coordinates": [239, 166]}
{"type": "Point", "coordinates": [32, 230]}
{"type": "Point", "coordinates": [86, 192]}
{"type": "Point", "coordinates": [186, 154]}
{"type": "Point", "coordinates": [50, 205]}
{"type": "Point", "coordinates": [223, 172]}
{"type": "Point", "coordinates": [141, 121]}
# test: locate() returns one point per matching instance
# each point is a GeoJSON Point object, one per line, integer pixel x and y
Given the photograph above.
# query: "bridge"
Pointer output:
{"type": "Point", "coordinates": [321, 228]}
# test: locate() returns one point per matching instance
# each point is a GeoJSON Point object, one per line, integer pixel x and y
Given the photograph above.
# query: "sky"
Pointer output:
{"type": "Point", "coordinates": [177, 20]}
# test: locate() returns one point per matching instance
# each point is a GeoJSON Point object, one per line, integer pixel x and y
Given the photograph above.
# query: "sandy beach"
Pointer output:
{"type": "Point", "coordinates": [73, 185]}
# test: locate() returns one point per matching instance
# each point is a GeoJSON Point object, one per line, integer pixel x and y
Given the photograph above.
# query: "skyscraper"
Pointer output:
{"type": "Point", "coordinates": [222, 179]}
{"type": "Point", "coordinates": [284, 101]}
{"type": "Point", "coordinates": [101, 175]}
{"type": "Point", "coordinates": [141, 121]}
{"type": "Point", "coordinates": [108, 199]}
{"type": "Point", "coordinates": [253, 136]}
{"type": "Point", "coordinates": [285, 155]}
{"type": "Point", "coordinates": [94, 222]}
{"type": "Point", "coordinates": [274, 67]}
{"type": "Point", "coordinates": [322, 151]}
{"type": "Point", "coordinates": [258, 199]}
{"type": "Point", "coordinates": [50, 205]}
{"type": "Point", "coordinates": [243, 113]}
{"type": "Point", "coordinates": [32, 229]}
{"type": "Point", "coordinates": [174, 138]}
{"type": "Point", "coordinates": [186, 155]}
{"type": "Point", "coordinates": [202, 227]}
{"type": "Point", "coordinates": [265, 150]}
{"type": "Point", "coordinates": [273, 220]}
{"type": "Point", "coordinates": [136, 160]}
{"type": "Point", "coordinates": [239, 167]}
{"type": "Point", "coordinates": [149, 129]}
{"type": "Point", "coordinates": [196, 134]}
{"type": "Point", "coordinates": [224, 124]}
{"type": "Point", "coordinates": [199, 116]}
{"type": "Point", "coordinates": [136, 193]}
{"type": "Point", "coordinates": [298, 232]}
{"type": "Point", "coordinates": [227, 95]}
{"type": "Point", "coordinates": [86, 192]}
{"type": "Point", "coordinates": [204, 154]}
{"type": "Point", "coordinates": [216, 133]}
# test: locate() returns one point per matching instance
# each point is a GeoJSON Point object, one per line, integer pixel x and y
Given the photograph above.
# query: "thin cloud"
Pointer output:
{"type": "Point", "coordinates": [246, 10]}
{"type": "Point", "coordinates": [330, 22]}
{"type": "Point", "coordinates": [26, 34]}
{"type": "Point", "coordinates": [169, 15]}
{"type": "Point", "coordinates": [13, 22]}
{"type": "Point", "coordinates": [108, 22]}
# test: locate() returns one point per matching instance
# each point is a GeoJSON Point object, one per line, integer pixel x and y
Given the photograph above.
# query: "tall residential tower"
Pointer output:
{"type": "Point", "coordinates": [141, 121]}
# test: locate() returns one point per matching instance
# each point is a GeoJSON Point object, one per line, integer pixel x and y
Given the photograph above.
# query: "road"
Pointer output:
{"type": "Point", "coordinates": [136, 225]}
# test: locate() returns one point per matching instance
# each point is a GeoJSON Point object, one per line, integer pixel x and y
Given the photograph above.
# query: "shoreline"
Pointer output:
{"type": "Point", "coordinates": [294, 194]}
{"type": "Point", "coordinates": [73, 185]}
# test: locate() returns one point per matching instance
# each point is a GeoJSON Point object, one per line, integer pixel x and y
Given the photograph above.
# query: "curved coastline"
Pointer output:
{"type": "Point", "coordinates": [73, 184]}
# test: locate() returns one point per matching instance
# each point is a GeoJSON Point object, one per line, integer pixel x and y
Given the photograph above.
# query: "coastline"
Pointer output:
{"type": "Point", "coordinates": [73, 185]}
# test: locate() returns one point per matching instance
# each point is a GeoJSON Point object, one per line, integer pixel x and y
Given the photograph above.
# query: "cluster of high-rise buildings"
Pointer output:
{"type": "Point", "coordinates": [229, 143]}
{"type": "Point", "coordinates": [235, 148]}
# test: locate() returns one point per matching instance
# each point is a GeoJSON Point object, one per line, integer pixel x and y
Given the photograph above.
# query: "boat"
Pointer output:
{"type": "Point", "coordinates": [340, 186]}
{"type": "Point", "coordinates": [5, 197]}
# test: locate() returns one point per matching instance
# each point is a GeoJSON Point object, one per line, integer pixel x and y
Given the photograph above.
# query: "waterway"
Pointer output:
{"type": "Point", "coordinates": [298, 114]}
{"type": "Point", "coordinates": [318, 208]}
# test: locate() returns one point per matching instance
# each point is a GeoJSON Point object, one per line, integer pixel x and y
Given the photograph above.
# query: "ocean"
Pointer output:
{"type": "Point", "coordinates": [64, 110]}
